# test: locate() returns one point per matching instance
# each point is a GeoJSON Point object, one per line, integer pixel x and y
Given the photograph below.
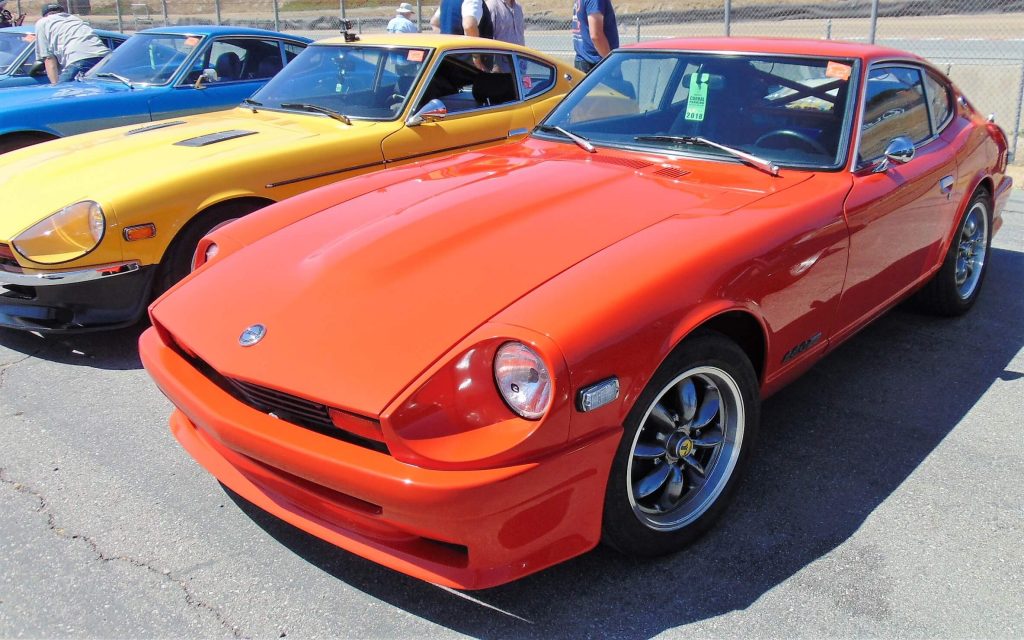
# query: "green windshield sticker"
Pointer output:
{"type": "Point", "coordinates": [697, 101]}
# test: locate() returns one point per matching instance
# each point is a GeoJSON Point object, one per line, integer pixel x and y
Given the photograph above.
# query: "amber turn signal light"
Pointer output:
{"type": "Point", "coordinates": [140, 232]}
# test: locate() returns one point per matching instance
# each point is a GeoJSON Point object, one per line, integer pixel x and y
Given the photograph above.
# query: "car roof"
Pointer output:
{"type": "Point", "coordinates": [220, 30]}
{"type": "Point", "coordinates": [434, 40]}
{"type": "Point", "coordinates": [797, 46]}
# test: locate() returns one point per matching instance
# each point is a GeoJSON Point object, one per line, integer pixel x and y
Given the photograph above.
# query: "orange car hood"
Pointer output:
{"type": "Point", "coordinates": [360, 298]}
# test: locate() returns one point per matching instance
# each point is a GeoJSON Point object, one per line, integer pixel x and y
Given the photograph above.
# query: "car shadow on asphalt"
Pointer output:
{"type": "Point", "coordinates": [833, 447]}
{"type": "Point", "coordinates": [115, 350]}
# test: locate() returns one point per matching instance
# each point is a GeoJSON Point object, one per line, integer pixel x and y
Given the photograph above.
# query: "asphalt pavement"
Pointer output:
{"type": "Point", "coordinates": [885, 499]}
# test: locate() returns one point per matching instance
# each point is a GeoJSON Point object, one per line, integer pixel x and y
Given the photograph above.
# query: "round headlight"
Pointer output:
{"type": "Point", "coordinates": [67, 234]}
{"type": "Point", "coordinates": [523, 379]}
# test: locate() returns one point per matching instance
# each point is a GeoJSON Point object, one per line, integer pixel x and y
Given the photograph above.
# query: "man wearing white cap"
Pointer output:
{"type": "Point", "coordinates": [402, 22]}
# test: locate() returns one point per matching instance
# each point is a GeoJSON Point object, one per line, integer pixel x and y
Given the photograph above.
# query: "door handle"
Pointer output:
{"type": "Point", "coordinates": [946, 185]}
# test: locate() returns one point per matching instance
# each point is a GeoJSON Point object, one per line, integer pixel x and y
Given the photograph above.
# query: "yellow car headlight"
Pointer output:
{"type": "Point", "coordinates": [65, 235]}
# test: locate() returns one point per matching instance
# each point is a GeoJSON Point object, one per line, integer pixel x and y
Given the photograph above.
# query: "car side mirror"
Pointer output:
{"type": "Point", "coordinates": [900, 151]}
{"type": "Point", "coordinates": [206, 77]}
{"type": "Point", "coordinates": [38, 68]}
{"type": "Point", "coordinates": [430, 112]}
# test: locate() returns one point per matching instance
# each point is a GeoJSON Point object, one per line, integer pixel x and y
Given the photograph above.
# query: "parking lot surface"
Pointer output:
{"type": "Point", "coordinates": [885, 498]}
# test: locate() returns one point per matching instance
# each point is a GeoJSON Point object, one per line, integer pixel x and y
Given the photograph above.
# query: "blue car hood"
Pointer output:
{"type": "Point", "coordinates": [30, 97]}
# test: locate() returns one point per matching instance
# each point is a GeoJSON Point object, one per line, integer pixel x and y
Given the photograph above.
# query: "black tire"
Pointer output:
{"type": "Point", "coordinates": [954, 288]}
{"type": "Point", "coordinates": [177, 262]}
{"type": "Point", "coordinates": [666, 520]}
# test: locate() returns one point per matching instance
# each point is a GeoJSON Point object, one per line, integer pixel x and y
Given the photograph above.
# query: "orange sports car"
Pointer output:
{"type": "Point", "coordinates": [474, 368]}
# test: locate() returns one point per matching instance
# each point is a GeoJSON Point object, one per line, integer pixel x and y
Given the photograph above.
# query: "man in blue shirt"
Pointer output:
{"type": "Point", "coordinates": [594, 32]}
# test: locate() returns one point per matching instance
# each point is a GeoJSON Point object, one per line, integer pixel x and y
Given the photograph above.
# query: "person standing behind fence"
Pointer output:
{"type": "Point", "coordinates": [594, 32]}
{"type": "Point", "coordinates": [463, 17]}
{"type": "Point", "coordinates": [8, 20]}
{"type": "Point", "coordinates": [66, 44]}
{"type": "Point", "coordinates": [508, 20]}
{"type": "Point", "coordinates": [402, 23]}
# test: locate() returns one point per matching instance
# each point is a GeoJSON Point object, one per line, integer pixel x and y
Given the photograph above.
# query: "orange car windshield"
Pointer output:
{"type": "Point", "coordinates": [358, 81]}
{"type": "Point", "coordinates": [792, 111]}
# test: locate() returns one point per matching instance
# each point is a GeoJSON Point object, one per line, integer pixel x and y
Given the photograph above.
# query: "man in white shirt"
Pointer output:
{"type": "Point", "coordinates": [402, 23]}
{"type": "Point", "coordinates": [463, 17]}
{"type": "Point", "coordinates": [66, 44]}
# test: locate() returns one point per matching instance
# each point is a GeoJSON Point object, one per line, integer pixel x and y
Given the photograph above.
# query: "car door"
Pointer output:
{"type": "Point", "coordinates": [481, 90]}
{"type": "Point", "coordinates": [897, 213]}
{"type": "Point", "coordinates": [240, 67]}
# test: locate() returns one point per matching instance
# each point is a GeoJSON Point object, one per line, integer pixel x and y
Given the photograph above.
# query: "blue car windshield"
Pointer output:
{"type": "Point", "coordinates": [792, 111]}
{"type": "Point", "coordinates": [146, 58]}
{"type": "Point", "coordinates": [369, 82]}
{"type": "Point", "coordinates": [11, 46]}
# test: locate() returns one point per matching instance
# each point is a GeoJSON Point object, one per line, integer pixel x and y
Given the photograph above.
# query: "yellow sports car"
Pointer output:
{"type": "Point", "coordinates": [96, 224]}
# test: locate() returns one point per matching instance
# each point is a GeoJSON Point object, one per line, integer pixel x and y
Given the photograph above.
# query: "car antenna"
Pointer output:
{"type": "Point", "coordinates": [346, 30]}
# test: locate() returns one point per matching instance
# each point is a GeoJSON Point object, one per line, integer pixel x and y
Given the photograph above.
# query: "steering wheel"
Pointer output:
{"type": "Point", "coordinates": [807, 140]}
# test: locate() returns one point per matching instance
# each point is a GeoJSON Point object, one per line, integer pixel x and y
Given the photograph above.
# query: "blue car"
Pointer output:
{"type": "Point", "coordinates": [156, 74]}
{"type": "Point", "coordinates": [18, 55]}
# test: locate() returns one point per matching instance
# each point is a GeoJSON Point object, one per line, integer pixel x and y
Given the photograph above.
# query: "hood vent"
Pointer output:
{"type": "Point", "coordinates": [622, 162]}
{"type": "Point", "coordinates": [214, 138]}
{"type": "Point", "coordinates": [672, 173]}
{"type": "Point", "coordinates": [153, 127]}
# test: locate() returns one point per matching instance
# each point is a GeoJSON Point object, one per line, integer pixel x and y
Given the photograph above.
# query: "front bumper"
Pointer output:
{"type": "Point", "coordinates": [100, 297]}
{"type": "Point", "coordinates": [468, 529]}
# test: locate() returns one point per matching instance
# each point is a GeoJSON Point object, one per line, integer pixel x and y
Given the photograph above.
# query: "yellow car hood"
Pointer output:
{"type": "Point", "coordinates": [116, 164]}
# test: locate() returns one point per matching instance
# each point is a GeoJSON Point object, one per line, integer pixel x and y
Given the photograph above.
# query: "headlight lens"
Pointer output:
{"type": "Point", "coordinates": [69, 233]}
{"type": "Point", "coordinates": [523, 380]}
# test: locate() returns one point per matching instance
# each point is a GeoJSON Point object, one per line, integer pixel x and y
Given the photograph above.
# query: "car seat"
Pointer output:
{"type": "Point", "coordinates": [494, 88]}
{"type": "Point", "coordinates": [269, 67]}
{"type": "Point", "coordinates": [228, 66]}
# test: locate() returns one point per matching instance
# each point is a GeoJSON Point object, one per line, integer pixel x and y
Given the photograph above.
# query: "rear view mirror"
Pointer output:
{"type": "Point", "coordinates": [430, 112]}
{"type": "Point", "coordinates": [37, 69]}
{"type": "Point", "coordinates": [899, 151]}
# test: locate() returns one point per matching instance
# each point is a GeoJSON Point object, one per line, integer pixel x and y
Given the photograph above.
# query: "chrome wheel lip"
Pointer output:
{"type": "Point", "coordinates": [972, 250]}
{"type": "Point", "coordinates": [721, 464]}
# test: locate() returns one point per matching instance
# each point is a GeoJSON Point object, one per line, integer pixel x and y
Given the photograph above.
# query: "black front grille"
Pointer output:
{"type": "Point", "coordinates": [284, 406]}
{"type": "Point", "coordinates": [292, 409]}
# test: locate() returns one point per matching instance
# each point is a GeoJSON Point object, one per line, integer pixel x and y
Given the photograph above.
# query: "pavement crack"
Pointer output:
{"type": "Point", "coordinates": [5, 367]}
{"type": "Point", "coordinates": [191, 598]}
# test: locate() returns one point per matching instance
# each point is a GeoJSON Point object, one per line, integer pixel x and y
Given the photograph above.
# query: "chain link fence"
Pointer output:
{"type": "Point", "coordinates": [979, 43]}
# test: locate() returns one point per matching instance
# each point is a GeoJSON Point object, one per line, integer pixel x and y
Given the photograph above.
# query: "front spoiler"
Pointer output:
{"type": "Point", "coordinates": [467, 529]}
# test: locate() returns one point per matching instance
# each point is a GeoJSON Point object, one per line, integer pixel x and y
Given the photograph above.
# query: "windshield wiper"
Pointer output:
{"type": "Point", "coordinates": [764, 165]}
{"type": "Point", "coordinates": [317, 109]}
{"type": "Point", "coordinates": [115, 76]}
{"type": "Point", "coordinates": [252, 104]}
{"type": "Point", "coordinates": [582, 142]}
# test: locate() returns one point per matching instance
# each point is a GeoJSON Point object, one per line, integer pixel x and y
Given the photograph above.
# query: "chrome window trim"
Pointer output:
{"type": "Point", "coordinates": [458, 114]}
{"type": "Point", "coordinates": [856, 167]}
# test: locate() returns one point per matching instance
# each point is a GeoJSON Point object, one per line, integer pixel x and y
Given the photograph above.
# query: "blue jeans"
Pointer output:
{"type": "Point", "coordinates": [584, 65]}
{"type": "Point", "coordinates": [69, 72]}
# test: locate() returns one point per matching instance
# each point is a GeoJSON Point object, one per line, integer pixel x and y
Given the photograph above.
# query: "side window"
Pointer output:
{"type": "Point", "coordinates": [467, 81]}
{"type": "Point", "coordinates": [291, 50]}
{"type": "Point", "coordinates": [940, 103]}
{"type": "Point", "coordinates": [895, 106]}
{"type": "Point", "coordinates": [235, 59]}
{"type": "Point", "coordinates": [537, 77]}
